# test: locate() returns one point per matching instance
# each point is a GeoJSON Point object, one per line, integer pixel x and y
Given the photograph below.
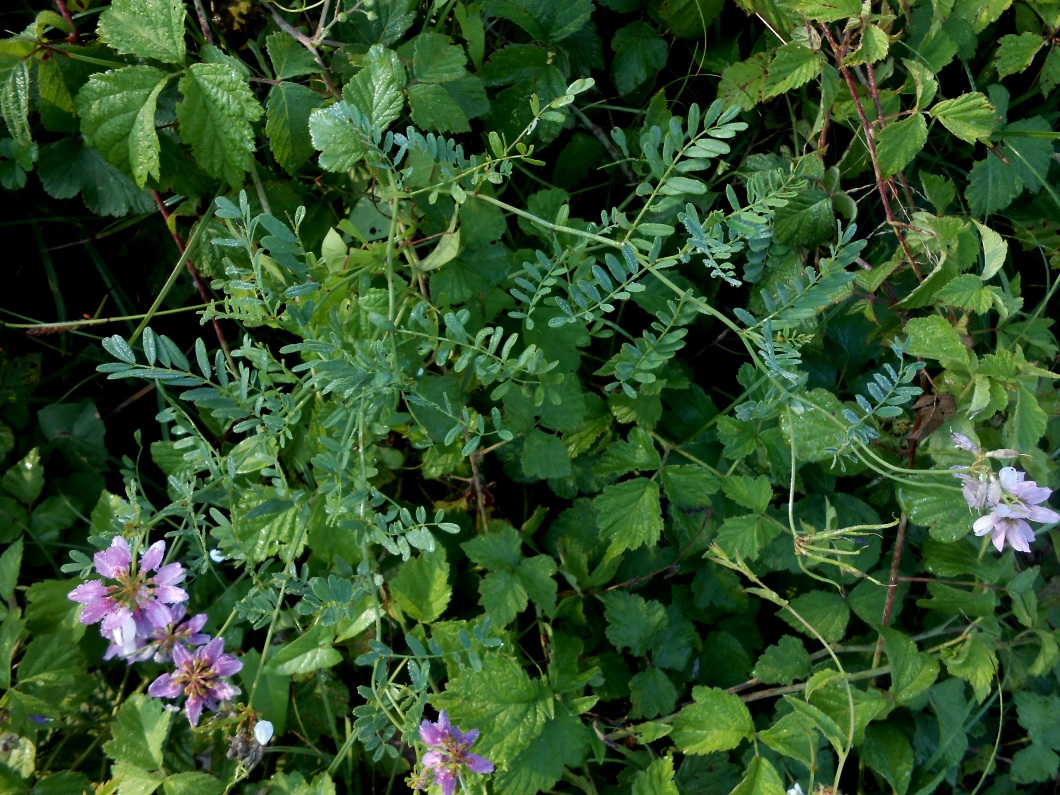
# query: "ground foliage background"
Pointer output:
{"type": "Point", "coordinates": [587, 370]}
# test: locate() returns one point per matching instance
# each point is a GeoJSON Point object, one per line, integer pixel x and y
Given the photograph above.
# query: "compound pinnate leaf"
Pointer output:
{"type": "Point", "coordinates": [970, 116]}
{"type": "Point", "coordinates": [117, 112]}
{"type": "Point", "coordinates": [147, 28]}
{"type": "Point", "coordinates": [216, 118]}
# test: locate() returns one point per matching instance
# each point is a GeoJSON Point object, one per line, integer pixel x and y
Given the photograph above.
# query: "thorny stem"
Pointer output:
{"type": "Point", "coordinates": [194, 273]}
{"type": "Point", "coordinates": [74, 37]}
{"type": "Point", "coordinates": [870, 141]}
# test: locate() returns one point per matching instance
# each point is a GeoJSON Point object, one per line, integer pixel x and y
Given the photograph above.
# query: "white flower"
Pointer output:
{"type": "Point", "coordinates": [263, 732]}
{"type": "Point", "coordinates": [796, 790]}
{"type": "Point", "coordinates": [217, 556]}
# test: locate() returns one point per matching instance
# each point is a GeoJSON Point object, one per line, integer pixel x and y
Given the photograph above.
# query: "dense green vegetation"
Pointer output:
{"type": "Point", "coordinates": [520, 396]}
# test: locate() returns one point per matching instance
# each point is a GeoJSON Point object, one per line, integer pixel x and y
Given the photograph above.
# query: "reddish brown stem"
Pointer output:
{"type": "Point", "coordinates": [870, 141]}
{"type": "Point", "coordinates": [204, 23]}
{"type": "Point", "coordinates": [74, 37]}
{"type": "Point", "coordinates": [191, 270]}
{"type": "Point", "coordinates": [892, 585]}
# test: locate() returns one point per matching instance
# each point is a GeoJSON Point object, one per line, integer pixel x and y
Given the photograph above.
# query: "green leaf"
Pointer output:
{"type": "Point", "coordinates": [658, 779]}
{"type": "Point", "coordinates": [975, 663]}
{"type": "Point", "coordinates": [743, 83]}
{"type": "Point", "coordinates": [831, 698]}
{"type": "Point", "coordinates": [638, 453]}
{"type": "Point", "coordinates": [503, 703]}
{"type": "Point", "coordinates": [117, 110]}
{"type": "Point", "coordinates": [1034, 763]}
{"type": "Point", "coordinates": [216, 117]}
{"type": "Point", "coordinates": [337, 137]}
{"type": "Point", "coordinates": [995, 250]}
{"type": "Point", "coordinates": [147, 28]}
{"type": "Point", "coordinates": [640, 53]}
{"type": "Point", "coordinates": [433, 108]}
{"type": "Point", "coordinates": [25, 480]}
{"type": "Point", "coordinates": [899, 142]}
{"type": "Point", "coordinates": [717, 721]}
{"type": "Point", "coordinates": [376, 90]}
{"type": "Point", "coordinates": [752, 493]}
{"type": "Point", "coordinates": [1027, 422]}
{"type": "Point", "coordinates": [309, 652]}
{"type": "Point", "coordinates": [435, 59]}
{"type": "Point", "coordinates": [421, 586]}
{"type": "Point", "coordinates": [793, 736]}
{"type": "Point", "coordinates": [10, 565]}
{"type": "Point", "coordinates": [632, 621]}
{"type": "Point", "coordinates": [138, 732]}
{"type": "Point", "coordinates": [992, 186]}
{"type": "Point", "coordinates": [783, 663]}
{"type": "Point", "coordinates": [808, 219]}
{"type": "Point", "coordinates": [1015, 53]}
{"type": "Point", "coordinates": [746, 535]}
{"type": "Point", "coordinates": [14, 103]}
{"type": "Point", "coordinates": [941, 508]}
{"type": "Point", "coordinates": [874, 47]}
{"type": "Point", "coordinates": [287, 123]}
{"type": "Point", "coordinates": [689, 19]}
{"type": "Point", "coordinates": [544, 456]}
{"type": "Point", "coordinates": [548, 21]}
{"type": "Point", "coordinates": [1050, 74]}
{"type": "Point", "coordinates": [289, 58]}
{"type": "Point", "coordinates": [828, 10]}
{"type": "Point", "coordinates": [67, 168]}
{"type": "Point", "coordinates": [651, 694]}
{"type": "Point", "coordinates": [1029, 148]}
{"type": "Point", "coordinates": [970, 116]}
{"type": "Point", "coordinates": [911, 671]}
{"type": "Point", "coordinates": [562, 743]}
{"type": "Point", "coordinates": [132, 780]}
{"type": "Point", "coordinates": [825, 611]}
{"type": "Point", "coordinates": [536, 575]}
{"type": "Point", "coordinates": [629, 515]}
{"type": "Point", "coordinates": [688, 486]}
{"type": "Point", "coordinates": [793, 65]}
{"type": "Point", "coordinates": [934, 338]}
{"type": "Point", "coordinates": [887, 751]}
{"type": "Point", "coordinates": [193, 784]}
{"type": "Point", "coordinates": [967, 292]}
{"type": "Point", "coordinates": [498, 551]}
{"type": "Point", "coordinates": [761, 779]}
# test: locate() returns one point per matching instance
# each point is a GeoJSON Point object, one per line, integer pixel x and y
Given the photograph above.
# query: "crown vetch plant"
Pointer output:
{"type": "Point", "coordinates": [623, 382]}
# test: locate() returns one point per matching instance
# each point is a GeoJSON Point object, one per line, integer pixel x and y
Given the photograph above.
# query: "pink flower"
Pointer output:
{"type": "Point", "coordinates": [200, 676]}
{"type": "Point", "coordinates": [450, 752]}
{"type": "Point", "coordinates": [137, 604]}
{"type": "Point", "coordinates": [1017, 501]}
{"type": "Point", "coordinates": [158, 646]}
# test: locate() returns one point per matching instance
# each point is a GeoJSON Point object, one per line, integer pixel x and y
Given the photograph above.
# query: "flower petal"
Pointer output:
{"type": "Point", "coordinates": [984, 524]}
{"type": "Point", "coordinates": [164, 687]}
{"type": "Point", "coordinates": [478, 764]}
{"type": "Point", "coordinates": [170, 574]}
{"type": "Point", "coordinates": [152, 557]}
{"type": "Point", "coordinates": [226, 665]}
{"type": "Point", "coordinates": [115, 560]}
{"type": "Point", "coordinates": [170, 594]}
{"type": "Point", "coordinates": [193, 709]}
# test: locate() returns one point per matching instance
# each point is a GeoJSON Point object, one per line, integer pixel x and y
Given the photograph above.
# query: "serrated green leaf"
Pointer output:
{"type": "Point", "coordinates": [192, 783]}
{"type": "Point", "coordinates": [832, 699]}
{"type": "Point", "coordinates": [874, 46]}
{"type": "Point", "coordinates": [992, 186]}
{"type": "Point", "coordinates": [970, 116]}
{"type": "Point", "coordinates": [289, 58]}
{"type": "Point", "coordinates": [1015, 53]}
{"type": "Point", "coordinates": [967, 292]}
{"type": "Point", "coordinates": [435, 59]}
{"type": "Point", "coordinates": [10, 564]}
{"type": "Point", "coordinates": [629, 514]}
{"type": "Point", "coordinates": [746, 535]}
{"type": "Point", "coordinates": [562, 743]}
{"type": "Point", "coordinates": [132, 780]}
{"type": "Point", "coordinates": [925, 84]}
{"type": "Point", "coordinates": [638, 453]}
{"type": "Point", "coordinates": [752, 493]}
{"type": "Point", "coordinates": [433, 108]}
{"type": "Point", "coordinates": [1029, 149]}
{"type": "Point", "coordinates": [689, 19]}
{"type": "Point", "coordinates": [887, 751]}
{"type": "Point", "coordinates": [339, 140]}
{"type": "Point", "coordinates": [376, 90]}
{"type": "Point", "coordinates": [828, 10]}
{"type": "Point", "coordinates": [67, 168]}
{"type": "Point", "coordinates": [717, 721]}
{"type": "Point", "coordinates": [743, 83]}
{"type": "Point", "coordinates": [138, 732]}
{"type": "Point", "coordinates": [975, 663]}
{"type": "Point", "coordinates": [651, 693]}
{"type": "Point", "coordinates": [25, 480]}
{"type": "Point", "coordinates": [899, 142]}
{"type": "Point", "coordinates": [825, 611]}
{"type": "Point", "coordinates": [287, 123]}
{"type": "Point", "coordinates": [912, 672]}
{"type": "Point", "coordinates": [941, 508]}
{"type": "Point", "coordinates": [147, 28]}
{"type": "Point", "coordinates": [421, 586]}
{"type": "Point", "coordinates": [536, 576]}
{"type": "Point", "coordinates": [793, 65]}
{"type": "Point", "coordinates": [503, 703]}
{"type": "Point", "coordinates": [807, 219]}
{"type": "Point", "coordinates": [640, 53]}
{"type": "Point", "coordinates": [934, 338]}
{"type": "Point", "coordinates": [496, 551]}
{"type": "Point", "coordinates": [1050, 74]}
{"type": "Point", "coordinates": [1034, 763]}
{"type": "Point", "coordinates": [995, 250]}
{"type": "Point", "coordinates": [216, 117]}
{"type": "Point", "coordinates": [783, 663]}
{"type": "Point", "coordinates": [14, 103]}
{"type": "Point", "coordinates": [544, 456]}
{"type": "Point", "coordinates": [545, 20]}
{"type": "Point", "coordinates": [632, 621]}
{"type": "Point", "coordinates": [117, 110]}
{"type": "Point", "coordinates": [1027, 422]}
{"type": "Point", "coordinates": [688, 486]}
{"type": "Point", "coordinates": [658, 779]}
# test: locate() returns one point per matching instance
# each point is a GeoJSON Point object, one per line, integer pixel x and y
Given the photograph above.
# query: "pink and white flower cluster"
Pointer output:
{"type": "Point", "coordinates": [141, 612]}
{"type": "Point", "coordinates": [1010, 499]}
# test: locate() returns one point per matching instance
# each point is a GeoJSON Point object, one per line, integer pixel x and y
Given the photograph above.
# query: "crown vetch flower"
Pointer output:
{"type": "Point", "coordinates": [1018, 500]}
{"type": "Point", "coordinates": [159, 645]}
{"type": "Point", "coordinates": [450, 752]}
{"type": "Point", "coordinates": [137, 604]}
{"type": "Point", "coordinates": [200, 676]}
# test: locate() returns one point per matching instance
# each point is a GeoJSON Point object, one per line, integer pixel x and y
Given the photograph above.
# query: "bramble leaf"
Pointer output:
{"type": "Point", "coordinates": [1015, 53]}
{"type": "Point", "coordinates": [899, 142]}
{"type": "Point", "coordinates": [793, 65]}
{"type": "Point", "coordinates": [287, 123]}
{"type": "Point", "coordinates": [971, 117]}
{"type": "Point", "coordinates": [67, 168]}
{"type": "Point", "coordinates": [216, 117]}
{"type": "Point", "coordinates": [138, 732]}
{"type": "Point", "coordinates": [717, 721]}
{"type": "Point", "coordinates": [148, 28]}
{"type": "Point", "coordinates": [376, 90]}
{"type": "Point", "coordinates": [629, 514]}
{"type": "Point", "coordinates": [640, 53]}
{"type": "Point", "coordinates": [421, 586]}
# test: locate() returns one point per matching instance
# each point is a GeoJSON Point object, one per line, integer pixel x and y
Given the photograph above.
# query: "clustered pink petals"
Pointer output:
{"type": "Point", "coordinates": [159, 645]}
{"type": "Point", "coordinates": [449, 754]}
{"type": "Point", "coordinates": [200, 676]}
{"type": "Point", "coordinates": [138, 603]}
{"type": "Point", "coordinates": [1010, 498]}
